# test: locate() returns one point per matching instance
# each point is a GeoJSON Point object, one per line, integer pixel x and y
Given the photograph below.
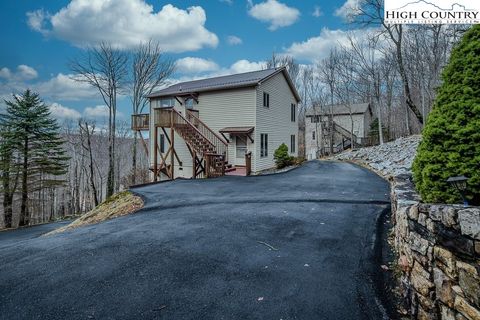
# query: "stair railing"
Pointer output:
{"type": "Point", "coordinates": [221, 145]}
{"type": "Point", "coordinates": [180, 123]}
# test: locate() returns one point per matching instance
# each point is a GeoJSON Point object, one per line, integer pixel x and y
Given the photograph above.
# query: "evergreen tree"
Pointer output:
{"type": "Point", "coordinates": [8, 177]}
{"type": "Point", "coordinates": [374, 132]}
{"type": "Point", "coordinates": [32, 139]}
{"type": "Point", "coordinates": [451, 138]}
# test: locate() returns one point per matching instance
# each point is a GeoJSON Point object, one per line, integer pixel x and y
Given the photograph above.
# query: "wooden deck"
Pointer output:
{"type": "Point", "coordinates": [239, 171]}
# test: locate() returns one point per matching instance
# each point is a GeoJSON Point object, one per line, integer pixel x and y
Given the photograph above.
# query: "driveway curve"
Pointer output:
{"type": "Point", "coordinates": [297, 245]}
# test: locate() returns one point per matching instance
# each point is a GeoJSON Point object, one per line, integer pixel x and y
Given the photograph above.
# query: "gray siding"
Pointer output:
{"type": "Point", "coordinates": [361, 126]}
{"type": "Point", "coordinates": [218, 109]}
{"type": "Point", "coordinates": [275, 120]}
{"type": "Point", "coordinates": [228, 108]}
{"type": "Point", "coordinates": [243, 107]}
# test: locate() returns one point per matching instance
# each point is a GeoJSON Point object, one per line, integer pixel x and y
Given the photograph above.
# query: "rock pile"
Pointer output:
{"type": "Point", "coordinates": [390, 159]}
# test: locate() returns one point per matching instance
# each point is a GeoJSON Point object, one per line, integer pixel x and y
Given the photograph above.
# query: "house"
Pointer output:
{"type": "Point", "coordinates": [347, 122]}
{"type": "Point", "coordinates": [223, 125]}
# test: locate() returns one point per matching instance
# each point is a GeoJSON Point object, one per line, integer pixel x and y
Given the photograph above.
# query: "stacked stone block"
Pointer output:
{"type": "Point", "coordinates": [438, 249]}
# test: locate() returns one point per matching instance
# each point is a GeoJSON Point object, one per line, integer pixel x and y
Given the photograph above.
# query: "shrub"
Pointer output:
{"type": "Point", "coordinates": [281, 157]}
{"type": "Point", "coordinates": [299, 160]}
{"type": "Point", "coordinates": [451, 137]}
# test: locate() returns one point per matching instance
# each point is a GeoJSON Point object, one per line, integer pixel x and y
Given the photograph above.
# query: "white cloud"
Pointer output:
{"type": "Point", "coordinates": [22, 73]}
{"type": "Point", "coordinates": [239, 66]}
{"type": "Point", "coordinates": [234, 40]}
{"type": "Point", "coordinates": [195, 65]}
{"type": "Point", "coordinates": [36, 20]}
{"type": "Point", "coordinates": [100, 111]}
{"type": "Point", "coordinates": [348, 9]}
{"type": "Point", "coordinates": [317, 48]}
{"type": "Point", "coordinates": [64, 87]}
{"type": "Point", "coordinates": [229, 2]}
{"type": "Point", "coordinates": [5, 73]}
{"type": "Point", "coordinates": [64, 113]}
{"type": "Point", "coordinates": [27, 73]}
{"type": "Point", "coordinates": [246, 66]}
{"type": "Point", "coordinates": [126, 23]}
{"type": "Point", "coordinates": [276, 13]}
{"type": "Point", "coordinates": [59, 87]}
{"type": "Point", "coordinates": [317, 12]}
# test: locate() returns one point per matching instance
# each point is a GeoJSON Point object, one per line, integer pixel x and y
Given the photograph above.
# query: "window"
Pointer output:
{"type": "Point", "coordinates": [292, 143]}
{"type": "Point", "coordinates": [293, 112]}
{"type": "Point", "coordinates": [263, 145]}
{"type": "Point", "coordinates": [166, 103]}
{"type": "Point", "coordinates": [162, 143]}
{"type": "Point", "coordinates": [313, 135]}
{"type": "Point", "coordinates": [266, 100]}
{"type": "Point", "coordinates": [189, 102]}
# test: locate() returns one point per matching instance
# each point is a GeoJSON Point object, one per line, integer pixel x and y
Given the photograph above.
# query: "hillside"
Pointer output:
{"type": "Point", "coordinates": [390, 159]}
{"type": "Point", "coordinates": [121, 204]}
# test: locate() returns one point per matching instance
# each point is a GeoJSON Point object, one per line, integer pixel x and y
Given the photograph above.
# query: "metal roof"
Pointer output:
{"type": "Point", "coordinates": [239, 130]}
{"type": "Point", "coordinates": [340, 109]}
{"type": "Point", "coordinates": [248, 79]}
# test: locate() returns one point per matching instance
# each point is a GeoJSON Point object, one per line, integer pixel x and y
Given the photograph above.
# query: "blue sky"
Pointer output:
{"type": "Point", "coordinates": [207, 38]}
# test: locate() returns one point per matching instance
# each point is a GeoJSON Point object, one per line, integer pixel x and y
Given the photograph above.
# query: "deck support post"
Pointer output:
{"type": "Point", "coordinates": [207, 166]}
{"type": "Point", "coordinates": [194, 161]}
{"type": "Point", "coordinates": [172, 141]}
{"type": "Point", "coordinates": [155, 154]}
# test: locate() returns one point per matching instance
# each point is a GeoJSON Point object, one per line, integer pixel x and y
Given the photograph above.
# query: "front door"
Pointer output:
{"type": "Point", "coordinates": [240, 150]}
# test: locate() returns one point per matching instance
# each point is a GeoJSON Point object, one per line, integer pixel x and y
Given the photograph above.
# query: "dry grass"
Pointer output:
{"type": "Point", "coordinates": [121, 204]}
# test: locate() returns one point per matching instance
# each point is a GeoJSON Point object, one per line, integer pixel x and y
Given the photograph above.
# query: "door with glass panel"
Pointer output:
{"type": "Point", "coordinates": [240, 150]}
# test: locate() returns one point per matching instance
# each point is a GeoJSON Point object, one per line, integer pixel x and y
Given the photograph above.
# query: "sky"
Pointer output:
{"type": "Point", "coordinates": [206, 38]}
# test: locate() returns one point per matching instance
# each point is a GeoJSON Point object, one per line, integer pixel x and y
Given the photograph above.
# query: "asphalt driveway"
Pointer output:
{"type": "Point", "coordinates": [298, 245]}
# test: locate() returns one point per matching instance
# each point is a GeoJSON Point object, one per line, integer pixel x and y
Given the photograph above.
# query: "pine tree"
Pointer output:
{"type": "Point", "coordinates": [34, 141]}
{"type": "Point", "coordinates": [451, 138]}
{"type": "Point", "coordinates": [8, 177]}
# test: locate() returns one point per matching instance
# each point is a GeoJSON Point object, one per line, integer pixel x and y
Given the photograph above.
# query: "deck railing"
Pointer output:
{"type": "Point", "coordinates": [161, 117]}
{"type": "Point", "coordinates": [141, 121]}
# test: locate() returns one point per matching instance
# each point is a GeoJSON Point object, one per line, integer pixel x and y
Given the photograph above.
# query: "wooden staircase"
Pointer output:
{"type": "Point", "coordinates": [208, 150]}
{"type": "Point", "coordinates": [329, 126]}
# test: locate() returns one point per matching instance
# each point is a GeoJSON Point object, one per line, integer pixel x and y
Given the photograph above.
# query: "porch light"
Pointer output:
{"type": "Point", "coordinates": [460, 183]}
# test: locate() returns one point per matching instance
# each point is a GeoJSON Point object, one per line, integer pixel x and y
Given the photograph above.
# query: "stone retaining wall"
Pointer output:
{"type": "Point", "coordinates": [438, 249]}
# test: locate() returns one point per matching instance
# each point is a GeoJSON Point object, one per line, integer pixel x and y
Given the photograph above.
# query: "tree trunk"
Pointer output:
{"type": "Point", "coordinates": [111, 151]}
{"type": "Point", "coordinates": [403, 75]}
{"type": "Point", "coordinates": [24, 208]}
{"type": "Point", "coordinates": [8, 209]}
{"type": "Point", "coordinates": [379, 111]}
{"type": "Point", "coordinates": [134, 158]}
{"type": "Point", "coordinates": [92, 173]}
{"type": "Point", "coordinates": [7, 194]}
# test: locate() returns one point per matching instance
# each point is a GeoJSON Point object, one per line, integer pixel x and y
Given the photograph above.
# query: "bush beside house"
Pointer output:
{"type": "Point", "coordinates": [282, 157]}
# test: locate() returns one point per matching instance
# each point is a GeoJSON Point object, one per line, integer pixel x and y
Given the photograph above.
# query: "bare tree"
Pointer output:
{"type": "Point", "coordinates": [328, 75]}
{"type": "Point", "coordinates": [86, 132]}
{"type": "Point", "coordinates": [365, 55]}
{"type": "Point", "coordinates": [289, 63]}
{"type": "Point", "coordinates": [105, 68]}
{"type": "Point", "coordinates": [370, 12]}
{"type": "Point", "coordinates": [150, 69]}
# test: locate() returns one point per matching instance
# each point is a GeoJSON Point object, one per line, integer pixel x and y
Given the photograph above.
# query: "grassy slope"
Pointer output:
{"type": "Point", "coordinates": [121, 204]}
